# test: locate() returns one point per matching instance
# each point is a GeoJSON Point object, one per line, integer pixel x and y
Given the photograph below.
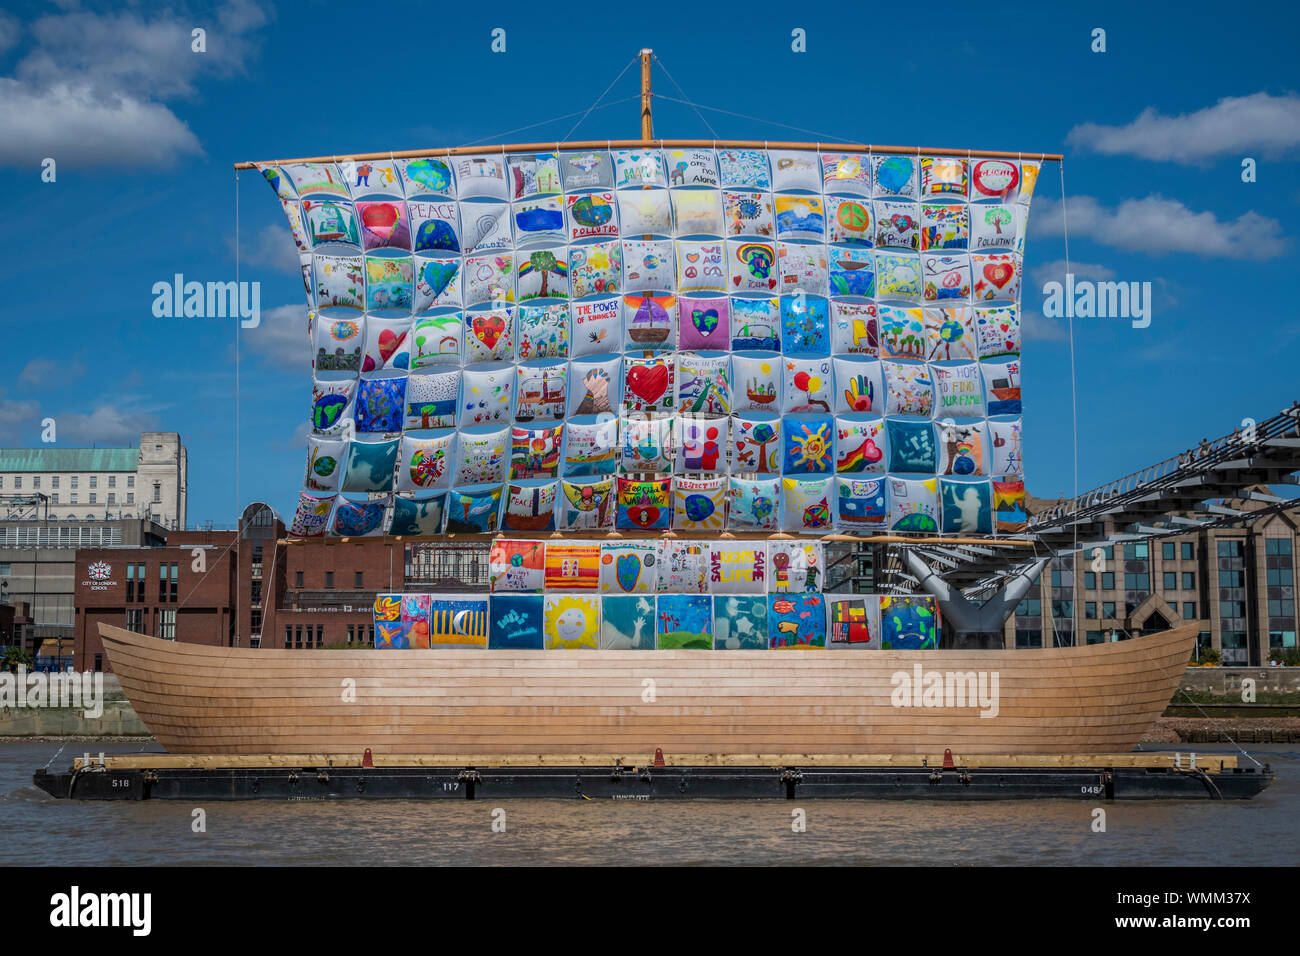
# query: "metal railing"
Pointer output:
{"type": "Point", "coordinates": [1168, 473]}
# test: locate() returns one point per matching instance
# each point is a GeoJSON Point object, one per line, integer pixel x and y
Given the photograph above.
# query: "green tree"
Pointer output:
{"type": "Point", "coordinates": [997, 217]}
{"type": "Point", "coordinates": [14, 657]}
{"type": "Point", "coordinates": [544, 262]}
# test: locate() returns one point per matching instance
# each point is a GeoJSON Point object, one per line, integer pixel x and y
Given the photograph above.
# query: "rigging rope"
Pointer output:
{"type": "Point", "coordinates": [238, 323]}
{"type": "Point", "coordinates": [602, 96]}
{"type": "Point", "coordinates": [553, 119]}
{"type": "Point", "coordinates": [756, 119]}
{"type": "Point", "coordinates": [713, 131]}
{"type": "Point", "coordinates": [1074, 389]}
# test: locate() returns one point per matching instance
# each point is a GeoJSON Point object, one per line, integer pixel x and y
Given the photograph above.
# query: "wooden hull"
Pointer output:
{"type": "Point", "coordinates": [198, 699]}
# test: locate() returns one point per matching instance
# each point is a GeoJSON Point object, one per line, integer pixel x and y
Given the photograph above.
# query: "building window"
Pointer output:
{"type": "Point", "coordinates": [1232, 579]}
{"type": "Point", "coordinates": [54, 498]}
{"type": "Point", "coordinates": [112, 498]}
{"type": "Point", "coordinates": [130, 481]}
{"type": "Point", "coordinates": [1063, 609]}
{"type": "Point", "coordinates": [157, 492]}
{"type": "Point", "coordinates": [1167, 550]}
{"type": "Point", "coordinates": [1189, 551]}
{"type": "Point", "coordinates": [130, 584]}
{"type": "Point", "coordinates": [54, 481]}
{"type": "Point", "coordinates": [329, 579]}
{"type": "Point", "coordinates": [162, 581]}
{"type": "Point", "coordinates": [1108, 609]}
{"type": "Point", "coordinates": [94, 481]}
{"type": "Point", "coordinates": [1189, 610]}
{"type": "Point", "coordinates": [1278, 577]}
{"type": "Point", "coordinates": [1090, 609]}
{"type": "Point", "coordinates": [297, 635]}
{"type": "Point", "coordinates": [1030, 607]}
{"type": "Point", "coordinates": [175, 583]}
{"type": "Point", "coordinates": [1232, 548]}
{"type": "Point", "coordinates": [36, 482]}
{"type": "Point", "coordinates": [1137, 582]}
{"type": "Point", "coordinates": [1281, 607]}
{"type": "Point", "coordinates": [288, 636]}
{"type": "Point", "coordinates": [1171, 581]}
{"type": "Point", "coordinates": [1189, 580]}
{"type": "Point", "coordinates": [1028, 638]}
{"type": "Point", "coordinates": [1108, 581]}
{"type": "Point", "coordinates": [1281, 639]}
{"type": "Point", "coordinates": [255, 621]}
{"type": "Point", "coordinates": [358, 579]}
{"type": "Point", "coordinates": [320, 635]}
{"type": "Point", "coordinates": [135, 617]}
{"type": "Point", "coordinates": [1095, 637]}
{"type": "Point", "coordinates": [351, 633]}
{"type": "Point", "coordinates": [92, 497]}
{"type": "Point", "coordinates": [112, 481]}
{"type": "Point", "coordinates": [297, 579]}
{"type": "Point", "coordinates": [1089, 581]}
{"type": "Point", "coordinates": [167, 624]}
{"type": "Point", "coordinates": [1234, 647]}
{"type": "Point", "coordinates": [1231, 609]}
{"type": "Point", "coordinates": [1277, 545]}
{"type": "Point", "coordinates": [74, 479]}
{"type": "Point", "coordinates": [18, 482]}
{"type": "Point", "coordinates": [130, 497]}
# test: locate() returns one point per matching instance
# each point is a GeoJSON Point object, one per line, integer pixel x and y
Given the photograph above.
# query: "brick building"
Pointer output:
{"type": "Point", "coordinates": [250, 589]}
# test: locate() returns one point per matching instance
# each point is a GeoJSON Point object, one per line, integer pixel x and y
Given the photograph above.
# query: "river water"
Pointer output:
{"type": "Point", "coordinates": [37, 829]}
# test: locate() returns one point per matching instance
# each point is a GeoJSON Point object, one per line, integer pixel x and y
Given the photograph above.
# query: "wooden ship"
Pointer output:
{"type": "Point", "coordinates": [498, 702]}
{"type": "Point", "coordinates": [198, 699]}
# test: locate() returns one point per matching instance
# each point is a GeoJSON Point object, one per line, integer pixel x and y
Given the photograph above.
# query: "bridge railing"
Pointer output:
{"type": "Point", "coordinates": [1171, 471]}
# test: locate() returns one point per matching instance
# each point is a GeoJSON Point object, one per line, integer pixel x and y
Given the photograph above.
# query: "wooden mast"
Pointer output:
{"type": "Point", "coordinates": [647, 122]}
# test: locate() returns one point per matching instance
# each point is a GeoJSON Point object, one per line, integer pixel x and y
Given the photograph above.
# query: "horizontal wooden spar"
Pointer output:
{"type": "Point", "coordinates": [645, 761]}
{"type": "Point", "coordinates": [583, 535]}
{"type": "Point", "coordinates": [660, 144]}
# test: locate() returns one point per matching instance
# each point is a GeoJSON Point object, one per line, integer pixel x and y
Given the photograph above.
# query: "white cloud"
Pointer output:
{"type": "Point", "coordinates": [272, 247]}
{"type": "Point", "coordinates": [296, 441]}
{"type": "Point", "coordinates": [281, 338]}
{"type": "Point", "coordinates": [91, 89]}
{"type": "Point", "coordinates": [20, 421]}
{"type": "Point", "coordinates": [40, 373]}
{"type": "Point", "coordinates": [115, 424]}
{"type": "Point", "coordinates": [10, 31]}
{"type": "Point", "coordinates": [1055, 272]}
{"type": "Point", "coordinates": [1234, 126]}
{"type": "Point", "coordinates": [1036, 327]}
{"type": "Point", "coordinates": [1158, 226]}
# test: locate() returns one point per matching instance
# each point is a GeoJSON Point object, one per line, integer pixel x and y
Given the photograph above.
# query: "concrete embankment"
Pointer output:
{"type": "Point", "coordinates": [117, 720]}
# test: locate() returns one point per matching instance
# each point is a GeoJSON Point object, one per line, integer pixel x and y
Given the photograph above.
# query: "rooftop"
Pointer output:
{"type": "Point", "coordinates": [69, 459]}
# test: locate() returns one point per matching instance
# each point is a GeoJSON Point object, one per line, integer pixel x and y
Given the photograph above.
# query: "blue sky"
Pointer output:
{"type": "Point", "coordinates": [144, 133]}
